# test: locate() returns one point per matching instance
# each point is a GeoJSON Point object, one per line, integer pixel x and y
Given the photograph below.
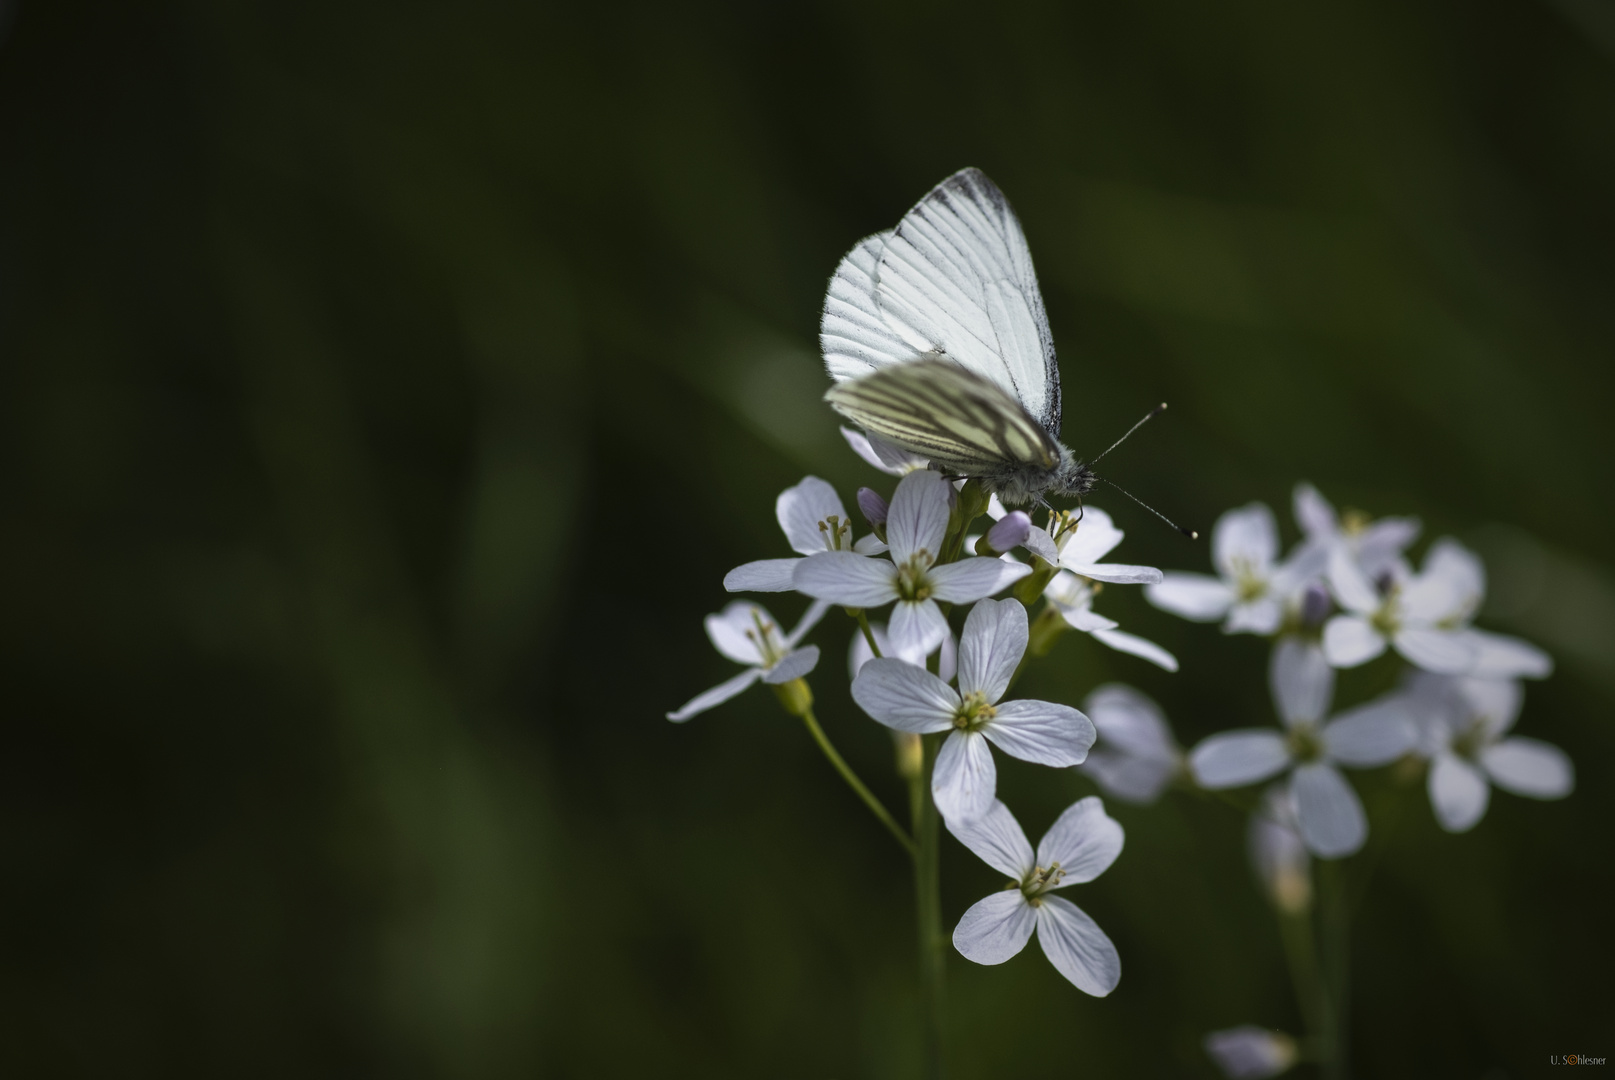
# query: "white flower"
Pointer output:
{"type": "Point", "coordinates": [1136, 756]}
{"type": "Point", "coordinates": [916, 525]}
{"type": "Point", "coordinates": [1375, 546]}
{"type": "Point", "coordinates": [1425, 617]}
{"type": "Point", "coordinates": [1466, 725]}
{"type": "Point", "coordinates": [1072, 597]}
{"type": "Point", "coordinates": [1248, 1052]}
{"type": "Point", "coordinates": [889, 459]}
{"type": "Point", "coordinates": [859, 653]}
{"type": "Point", "coordinates": [1078, 847]}
{"type": "Point", "coordinates": [1253, 588]}
{"type": "Point", "coordinates": [1081, 543]}
{"type": "Point", "coordinates": [813, 520]}
{"type": "Point", "coordinates": [909, 698]}
{"type": "Point", "coordinates": [1278, 853]}
{"type": "Point", "coordinates": [747, 634]}
{"type": "Point", "coordinates": [1328, 812]}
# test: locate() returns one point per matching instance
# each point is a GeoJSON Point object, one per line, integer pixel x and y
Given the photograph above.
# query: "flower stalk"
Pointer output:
{"type": "Point", "coordinates": [928, 909]}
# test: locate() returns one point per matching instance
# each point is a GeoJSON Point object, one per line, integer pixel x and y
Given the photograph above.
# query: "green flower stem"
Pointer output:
{"type": "Point", "coordinates": [1333, 927]}
{"type": "Point", "coordinates": [928, 906]}
{"type": "Point", "coordinates": [1301, 952]}
{"type": "Point", "coordinates": [856, 784]}
{"type": "Point", "coordinates": [869, 635]}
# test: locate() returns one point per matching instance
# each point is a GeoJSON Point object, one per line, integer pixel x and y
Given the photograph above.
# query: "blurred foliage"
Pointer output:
{"type": "Point", "coordinates": [389, 386]}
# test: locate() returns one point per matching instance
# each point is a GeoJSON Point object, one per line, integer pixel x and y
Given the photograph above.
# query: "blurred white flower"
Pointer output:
{"type": "Point", "coordinates": [1136, 756]}
{"type": "Point", "coordinates": [813, 520]}
{"type": "Point", "coordinates": [1278, 853]}
{"type": "Point", "coordinates": [1073, 597]}
{"type": "Point", "coordinates": [747, 634]}
{"type": "Point", "coordinates": [1375, 546]}
{"type": "Point", "coordinates": [859, 653]}
{"type": "Point", "coordinates": [916, 524]}
{"type": "Point", "coordinates": [1253, 588]}
{"type": "Point", "coordinates": [909, 698]}
{"type": "Point", "coordinates": [1465, 727]}
{"type": "Point", "coordinates": [1078, 847]}
{"type": "Point", "coordinates": [1425, 617]}
{"type": "Point", "coordinates": [1328, 812]}
{"type": "Point", "coordinates": [1249, 1052]}
{"type": "Point", "coordinates": [889, 459]}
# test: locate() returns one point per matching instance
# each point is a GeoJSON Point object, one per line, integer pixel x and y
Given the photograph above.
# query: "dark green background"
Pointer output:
{"type": "Point", "coordinates": [387, 388]}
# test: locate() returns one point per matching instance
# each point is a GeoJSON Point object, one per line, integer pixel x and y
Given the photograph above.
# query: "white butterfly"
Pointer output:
{"type": "Point", "coordinates": [935, 334]}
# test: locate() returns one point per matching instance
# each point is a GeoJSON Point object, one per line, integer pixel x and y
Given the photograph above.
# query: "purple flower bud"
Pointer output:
{"type": "Point", "coordinates": [873, 506]}
{"type": "Point", "coordinates": [1315, 605]}
{"type": "Point", "coordinates": [1010, 532]}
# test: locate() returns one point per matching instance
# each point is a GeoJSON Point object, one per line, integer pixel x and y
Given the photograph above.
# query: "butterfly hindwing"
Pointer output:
{"type": "Point", "coordinates": [954, 417]}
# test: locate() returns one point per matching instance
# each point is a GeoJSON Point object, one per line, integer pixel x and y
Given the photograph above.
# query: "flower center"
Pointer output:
{"type": "Point", "coordinates": [1354, 522]}
{"type": "Point", "coordinates": [912, 582]}
{"type": "Point", "coordinates": [1304, 743]}
{"type": "Point", "coordinates": [766, 640]}
{"type": "Point", "coordinates": [973, 712]}
{"type": "Point", "coordinates": [1387, 620]}
{"type": "Point", "coordinates": [1472, 740]}
{"type": "Point", "coordinates": [836, 533]}
{"type": "Point", "coordinates": [1040, 881]}
{"type": "Point", "coordinates": [1250, 585]}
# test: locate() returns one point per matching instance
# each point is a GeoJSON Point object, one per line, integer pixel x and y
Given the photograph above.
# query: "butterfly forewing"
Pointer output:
{"type": "Point", "coordinates": [954, 278]}
{"type": "Point", "coordinates": [962, 422]}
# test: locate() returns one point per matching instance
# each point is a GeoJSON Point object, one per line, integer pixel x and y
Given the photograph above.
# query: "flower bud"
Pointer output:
{"type": "Point", "coordinates": [1315, 606]}
{"type": "Point", "coordinates": [1010, 532]}
{"type": "Point", "coordinates": [873, 506]}
{"type": "Point", "coordinates": [910, 754]}
{"type": "Point", "coordinates": [1251, 1053]}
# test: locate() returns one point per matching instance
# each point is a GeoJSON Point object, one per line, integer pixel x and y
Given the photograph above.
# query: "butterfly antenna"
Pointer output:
{"type": "Point", "coordinates": [1151, 415]}
{"type": "Point", "coordinates": [1190, 533]}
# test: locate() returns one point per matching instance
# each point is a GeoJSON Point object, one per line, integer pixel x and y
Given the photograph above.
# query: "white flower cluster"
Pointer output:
{"type": "Point", "coordinates": [913, 676]}
{"type": "Point", "coordinates": [1345, 595]}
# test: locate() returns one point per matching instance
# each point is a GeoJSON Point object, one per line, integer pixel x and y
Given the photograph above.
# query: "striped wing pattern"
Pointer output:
{"type": "Point", "coordinates": [954, 278]}
{"type": "Point", "coordinates": [959, 420]}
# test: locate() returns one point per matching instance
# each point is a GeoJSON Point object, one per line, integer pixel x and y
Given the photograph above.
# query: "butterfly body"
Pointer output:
{"type": "Point", "coordinates": [936, 336]}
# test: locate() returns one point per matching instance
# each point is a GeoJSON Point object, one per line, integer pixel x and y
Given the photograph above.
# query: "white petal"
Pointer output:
{"type": "Point", "coordinates": [793, 666]}
{"type": "Point", "coordinates": [1041, 732]}
{"type": "Point", "coordinates": [1244, 541]}
{"type": "Point", "coordinates": [918, 518]}
{"type": "Point", "coordinates": [1129, 721]}
{"type": "Point", "coordinates": [1235, 758]}
{"type": "Point", "coordinates": [764, 575]}
{"type": "Point", "coordinates": [1095, 537]}
{"type": "Point", "coordinates": [964, 778]}
{"type": "Point", "coordinates": [1250, 1053]}
{"type": "Point", "coordinates": [916, 629]}
{"type": "Point", "coordinates": [997, 839]}
{"type": "Point", "coordinates": [1443, 651]}
{"type": "Point", "coordinates": [1133, 645]}
{"type": "Point", "coordinates": [1350, 640]}
{"type": "Point", "coordinates": [1084, 841]}
{"type": "Point", "coordinates": [810, 618]}
{"type": "Point", "coordinates": [1450, 587]}
{"type": "Point", "coordinates": [729, 628]}
{"type": "Point", "coordinates": [1371, 735]}
{"type": "Point", "coordinates": [1313, 512]}
{"type": "Point", "coordinates": [996, 508]}
{"type": "Point", "coordinates": [1076, 946]}
{"type": "Point", "coordinates": [869, 544]}
{"type": "Point", "coordinates": [701, 702]}
{"type": "Point", "coordinates": [1498, 656]}
{"type": "Point", "coordinates": [845, 578]}
{"type": "Point", "coordinates": [970, 579]}
{"type": "Point", "coordinates": [1041, 544]}
{"type": "Point", "coordinates": [1131, 779]}
{"type": "Point", "coordinates": [1494, 702]}
{"type": "Point", "coordinates": [1352, 588]}
{"type": "Point", "coordinates": [1261, 616]}
{"type": "Point", "coordinates": [1194, 596]}
{"type": "Point", "coordinates": [1382, 543]}
{"type": "Point", "coordinates": [1529, 767]}
{"type": "Point", "coordinates": [1458, 792]}
{"type": "Point", "coordinates": [799, 510]}
{"type": "Point", "coordinates": [1116, 573]}
{"type": "Point", "coordinates": [903, 696]}
{"type": "Point", "coordinates": [859, 652]}
{"type": "Point", "coordinates": [1085, 619]}
{"type": "Point", "coordinates": [1327, 811]}
{"type": "Point", "coordinates": [1302, 681]}
{"type": "Point", "coordinates": [993, 642]}
{"type": "Point", "coordinates": [881, 454]}
{"type": "Point", "coordinates": [1277, 851]}
{"type": "Point", "coordinates": [996, 928]}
